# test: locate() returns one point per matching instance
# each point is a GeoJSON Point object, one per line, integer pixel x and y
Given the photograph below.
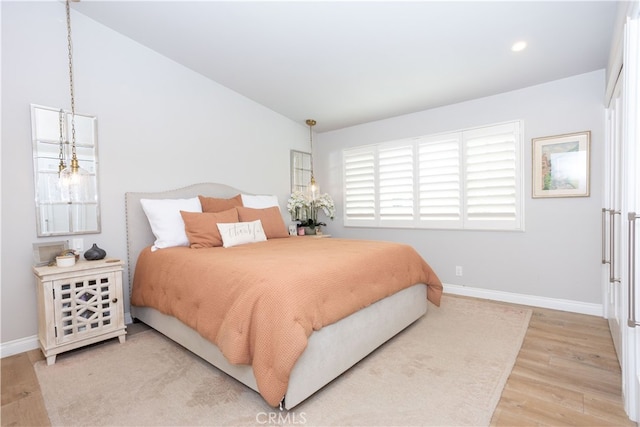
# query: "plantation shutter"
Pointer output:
{"type": "Point", "coordinates": [439, 182]}
{"type": "Point", "coordinates": [396, 181]}
{"type": "Point", "coordinates": [359, 186]}
{"type": "Point", "coordinates": [491, 177]}
{"type": "Point", "coordinates": [470, 179]}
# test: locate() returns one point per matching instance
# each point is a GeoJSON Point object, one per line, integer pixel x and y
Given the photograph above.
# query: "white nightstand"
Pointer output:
{"type": "Point", "coordinates": [79, 305]}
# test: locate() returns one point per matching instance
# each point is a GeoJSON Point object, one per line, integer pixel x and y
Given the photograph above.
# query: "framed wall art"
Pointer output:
{"type": "Point", "coordinates": [561, 165]}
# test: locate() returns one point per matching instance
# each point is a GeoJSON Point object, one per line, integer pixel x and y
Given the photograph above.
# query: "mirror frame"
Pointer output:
{"type": "Point", "coordinates": [81, 217]}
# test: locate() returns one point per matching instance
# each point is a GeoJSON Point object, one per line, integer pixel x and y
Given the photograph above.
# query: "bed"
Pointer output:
{"type": "Point", "coordinates": [332, 342]}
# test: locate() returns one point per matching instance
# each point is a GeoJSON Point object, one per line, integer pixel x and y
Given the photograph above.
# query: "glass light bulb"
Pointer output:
{"type": "Point", "coordinates": [75, 183]}
{"type": "Point", "coordinates": [313, 189]}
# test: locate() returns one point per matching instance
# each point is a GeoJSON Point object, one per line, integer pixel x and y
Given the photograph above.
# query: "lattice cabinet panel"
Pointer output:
{"type": "Point", "coordinates": [79, 305]}
{"type": "Point", "coordinates": [84, 306]}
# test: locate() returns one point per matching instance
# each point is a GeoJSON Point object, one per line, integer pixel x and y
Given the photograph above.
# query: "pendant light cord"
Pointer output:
{"type": "Point", "coordinates": [311, 123]}
{"type": "Point", "coordinates": [73, 102]}
{"type": "Point", "coordinates": [63, 163]}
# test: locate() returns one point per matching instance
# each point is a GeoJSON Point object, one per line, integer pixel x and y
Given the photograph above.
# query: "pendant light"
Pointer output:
{"type": "Point", "coordinates": [73, 179]}
{"type": "Point", "coordinates": [313, 189]}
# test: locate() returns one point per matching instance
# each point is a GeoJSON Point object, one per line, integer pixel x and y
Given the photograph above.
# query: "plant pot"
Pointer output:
{"type": "Point", "coordinates": [311, 231]}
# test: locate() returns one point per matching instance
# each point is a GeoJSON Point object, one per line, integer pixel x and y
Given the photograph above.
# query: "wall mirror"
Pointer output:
{"type": "Point", "coordinates": [300, 170]}
{"type": "Point", "coordinates": [58, 210]}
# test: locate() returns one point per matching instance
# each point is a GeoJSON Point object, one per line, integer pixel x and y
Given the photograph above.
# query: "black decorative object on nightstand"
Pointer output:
{"type": "Point", "coordinates": [95, 253]}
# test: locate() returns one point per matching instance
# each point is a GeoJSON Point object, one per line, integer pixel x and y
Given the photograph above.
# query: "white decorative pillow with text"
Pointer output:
{"type": "Point", "coordinates": [239, 233]}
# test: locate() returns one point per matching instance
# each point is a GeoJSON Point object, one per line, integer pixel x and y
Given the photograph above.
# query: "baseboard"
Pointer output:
{"type": "Point", "coordinates": [535, 301]}
{"type": "Point", "coordinates": [18, 346]}
{"type": "Point", "coordinates": [31, 343]}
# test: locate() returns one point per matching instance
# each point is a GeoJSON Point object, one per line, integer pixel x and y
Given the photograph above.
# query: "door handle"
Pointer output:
{"type": "Point", "coordinates": [631, 321]}
{"type": "Point", "coordinates": [612, 248]}
{"type": "Point", "coordinates": [605, 211]}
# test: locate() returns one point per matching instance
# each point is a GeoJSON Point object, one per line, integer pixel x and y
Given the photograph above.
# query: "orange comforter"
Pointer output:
{"type": "Point", "coordinates": [260, 302]}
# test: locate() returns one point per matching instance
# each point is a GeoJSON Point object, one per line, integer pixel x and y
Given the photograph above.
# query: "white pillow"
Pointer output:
{"type": "Point", "coordinates": [166, 222]}
{"type": "Point", "coordinates": [259, 201]}
{"type": "Point", "coordinates": [239, 233]}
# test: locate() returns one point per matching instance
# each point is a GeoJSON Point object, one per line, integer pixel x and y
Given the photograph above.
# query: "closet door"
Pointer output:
{"type": "Point", "coordinates": [620, 215]}
{"type": "Point", "coordinates": [612, 241]}
{"type": "Point", "coordinates": [630, 360]}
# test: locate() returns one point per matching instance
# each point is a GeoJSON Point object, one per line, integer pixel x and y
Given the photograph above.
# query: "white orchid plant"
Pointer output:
{"type": "Point", "coordinates": [305, 210]}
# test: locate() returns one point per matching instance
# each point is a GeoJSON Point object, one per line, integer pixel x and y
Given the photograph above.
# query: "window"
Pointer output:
{"type": "Point", "coordinates": [470, 179]}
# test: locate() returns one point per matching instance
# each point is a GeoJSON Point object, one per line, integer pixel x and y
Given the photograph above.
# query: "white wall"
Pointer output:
{"type": "Point", "coordinates": [558, 256]}
{"type": "Point", "coordinates": [160, 126]}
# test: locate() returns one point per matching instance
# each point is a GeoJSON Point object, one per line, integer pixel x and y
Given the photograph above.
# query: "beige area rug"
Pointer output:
{"type": "Point", "coordinates": [448, 368]}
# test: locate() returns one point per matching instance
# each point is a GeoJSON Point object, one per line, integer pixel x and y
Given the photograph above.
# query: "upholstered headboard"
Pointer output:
{"type": "Point", "coordinates": [139, 234]}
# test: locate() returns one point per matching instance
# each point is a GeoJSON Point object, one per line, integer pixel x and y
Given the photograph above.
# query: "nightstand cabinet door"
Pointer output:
{"type": "Point", "coordinates": [79, 305]}
{"type": "Point", "coordinates": [85, 306]}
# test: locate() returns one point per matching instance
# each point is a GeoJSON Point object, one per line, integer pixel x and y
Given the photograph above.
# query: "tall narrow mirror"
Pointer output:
{"type": "Point", "coordinates": [58, 210]}
{"type": "Point", "coordinates": [300, 170]}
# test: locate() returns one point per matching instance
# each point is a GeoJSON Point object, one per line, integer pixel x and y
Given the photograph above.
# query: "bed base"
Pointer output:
{"type": "Point", "coordinates": [330, 351]}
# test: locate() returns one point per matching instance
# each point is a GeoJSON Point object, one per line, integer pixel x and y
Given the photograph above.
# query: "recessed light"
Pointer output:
{"type": "Point", "coordinates": [518, 46]}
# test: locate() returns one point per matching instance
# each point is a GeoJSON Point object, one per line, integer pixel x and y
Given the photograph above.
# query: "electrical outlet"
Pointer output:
{"type": "Point", "coordinates": [458, 270]}
{"type": "Point", "coordinates": [78, 244]}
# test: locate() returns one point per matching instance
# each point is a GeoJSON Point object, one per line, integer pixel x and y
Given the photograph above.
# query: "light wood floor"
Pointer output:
{"type": "Point", "coordinates": [566, 374]}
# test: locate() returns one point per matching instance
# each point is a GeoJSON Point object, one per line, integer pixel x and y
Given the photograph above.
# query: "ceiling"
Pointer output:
{"type": "Point", "coordinates": [349, 62]}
